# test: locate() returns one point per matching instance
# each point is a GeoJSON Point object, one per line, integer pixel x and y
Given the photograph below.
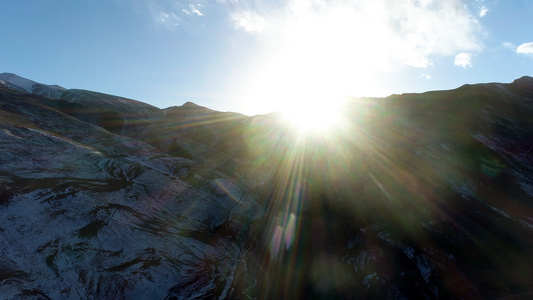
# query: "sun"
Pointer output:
{"type": "Point", "coordinates": [313, 62]}
{"type": "Point", "coordinates": [313, 116]}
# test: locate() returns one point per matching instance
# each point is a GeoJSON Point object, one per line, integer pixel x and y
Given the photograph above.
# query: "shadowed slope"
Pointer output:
{"type": "Point", "coordinates": [418, 195]}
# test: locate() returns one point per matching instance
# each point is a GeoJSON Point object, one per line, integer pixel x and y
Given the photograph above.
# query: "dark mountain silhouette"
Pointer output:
{"type": "Point", "coordinates": [415, 196]}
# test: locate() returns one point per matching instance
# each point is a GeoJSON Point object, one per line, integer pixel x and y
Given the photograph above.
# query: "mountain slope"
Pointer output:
{"type": "Point", "coordinates": [108, 102]}
{"type": "Point", "coordinates": [87, 212]}
{"type": "Point", "coordinates": [417, 196]}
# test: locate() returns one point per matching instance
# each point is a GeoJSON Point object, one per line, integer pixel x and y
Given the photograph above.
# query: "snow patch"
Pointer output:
{"type": "Point", "coordinates": [385, 236]}
{"type": "Point", "coordinates": [500, 212]}
{"type": "Point", "coordinates": [425, 267]}
{"type": "Point", "coordinates": [354, 241]}
{"type": "Point", "coordinates": [422, 263]}
{"type": "Point", "coordinates": [369, 278]}
{"type": "Point", "coordinates": [410, 252]}
{"type": "Point", "coordinates": [466, 190]}
{"type": "Point", "coordinates": [16, 80]}
{"type": "Point", "coordinates": [526, 187]}
{"type": "Point", "coordinates": [8, 133]}
{"type": "Point", "coordinates": [524, 182]}
{"type": "Point", "coordinates": [530, 225]}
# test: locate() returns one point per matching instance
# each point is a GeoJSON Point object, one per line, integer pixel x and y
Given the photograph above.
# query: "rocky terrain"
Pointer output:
{"type": "Point", "coordinates": [415, 196]}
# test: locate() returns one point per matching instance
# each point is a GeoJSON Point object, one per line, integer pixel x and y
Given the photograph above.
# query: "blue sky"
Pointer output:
{"type": "Point", "coordinates": [259, 56]}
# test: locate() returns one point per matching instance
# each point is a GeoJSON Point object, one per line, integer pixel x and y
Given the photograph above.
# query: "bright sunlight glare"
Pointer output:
{"type": "Point", "coordinates": [315, 68]}
{"type": "Point", "coordinates": [313, 116]}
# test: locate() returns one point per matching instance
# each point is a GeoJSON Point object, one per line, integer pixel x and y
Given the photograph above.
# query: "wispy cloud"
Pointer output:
{"type": "Point", "coordinates": [426, 76]}
{"type": "Point", "coordinates": [525, 48]}
{"type": "Point", "coordinates": [194, 9]}
{"type": "Point", "coordinates": [167, 18]}
{"type": "Point", "coordinates": [248, 20]}
{"type": "Point", "coordinates": [483, 11]}
{"type": "Point", "coordinates": [509, 46]}
{"type": "Point", "coordinates": [170, 13]}
{"type": "Point", "coordinates": [463, 60]}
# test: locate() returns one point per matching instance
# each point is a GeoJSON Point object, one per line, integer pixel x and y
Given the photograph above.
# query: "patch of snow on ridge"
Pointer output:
{"type": "Point", "coordinates": [527, 223]}
{"type": "Point", "coordinates": [8, 133]}
{"type": "Point", "coordinates": [466, 190]}
{"type": "Point", "coordinates": [354, 241]}
{"type": "Point", "coordinates": [410, 252]}
{"type": "Point", "coordinates": [525, 183]}
{"type": "Point", "coordinates": [526, 187]}
{"type": "Point", "coordinates": [425, 267]}
{"type": "Point", "coordinates": [16, 80]}
{"type": "Point", "coordinates": [501, 212]}
{"type": "Point", "coordinates": [422, 263]}
{"type": "Point", "coordinates": [370, 278]}
{"type": "Point", "coordinates": [21, 84]}
{"type": "Point", "coordinates": [386, 237]}
{"type": "Point", "coordinates": [488, 142]}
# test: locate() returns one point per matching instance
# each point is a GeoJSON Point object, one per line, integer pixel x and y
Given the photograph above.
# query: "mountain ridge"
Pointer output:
{"type": "Point", "coordinates": [23, 84]}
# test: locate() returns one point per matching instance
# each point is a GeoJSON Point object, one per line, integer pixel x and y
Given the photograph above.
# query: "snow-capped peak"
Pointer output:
{"type": "Point", "coordinates": [22, 84]}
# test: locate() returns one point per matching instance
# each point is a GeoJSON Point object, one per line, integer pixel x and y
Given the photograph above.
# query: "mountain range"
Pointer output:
{"type": "Point", "coordinates": [416, 196]}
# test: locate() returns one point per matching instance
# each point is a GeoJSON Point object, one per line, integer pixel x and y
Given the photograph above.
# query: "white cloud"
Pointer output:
{"type": "Point", "coordinates": [525, 48]}
{"type": "Point", "coordinates": [400, 32]}
{"type": "Point", "coordinates": [509, 45]}
{"type": "Point", "coordinates": [463, 60]}
{"type": "Point", "coordinates": [249, 21]}
{"type": "Point", "coordinates": [483, 11]}
{"type": "Point", "coordinates": [426, 76]}
{"type": "Point", "coordinates": [193, 9]}
{"type": "Point", "coordinates": [170, 13]}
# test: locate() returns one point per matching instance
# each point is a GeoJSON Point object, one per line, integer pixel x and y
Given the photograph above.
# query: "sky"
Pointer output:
{"type": "Point", "coordinates": [258, 56]}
